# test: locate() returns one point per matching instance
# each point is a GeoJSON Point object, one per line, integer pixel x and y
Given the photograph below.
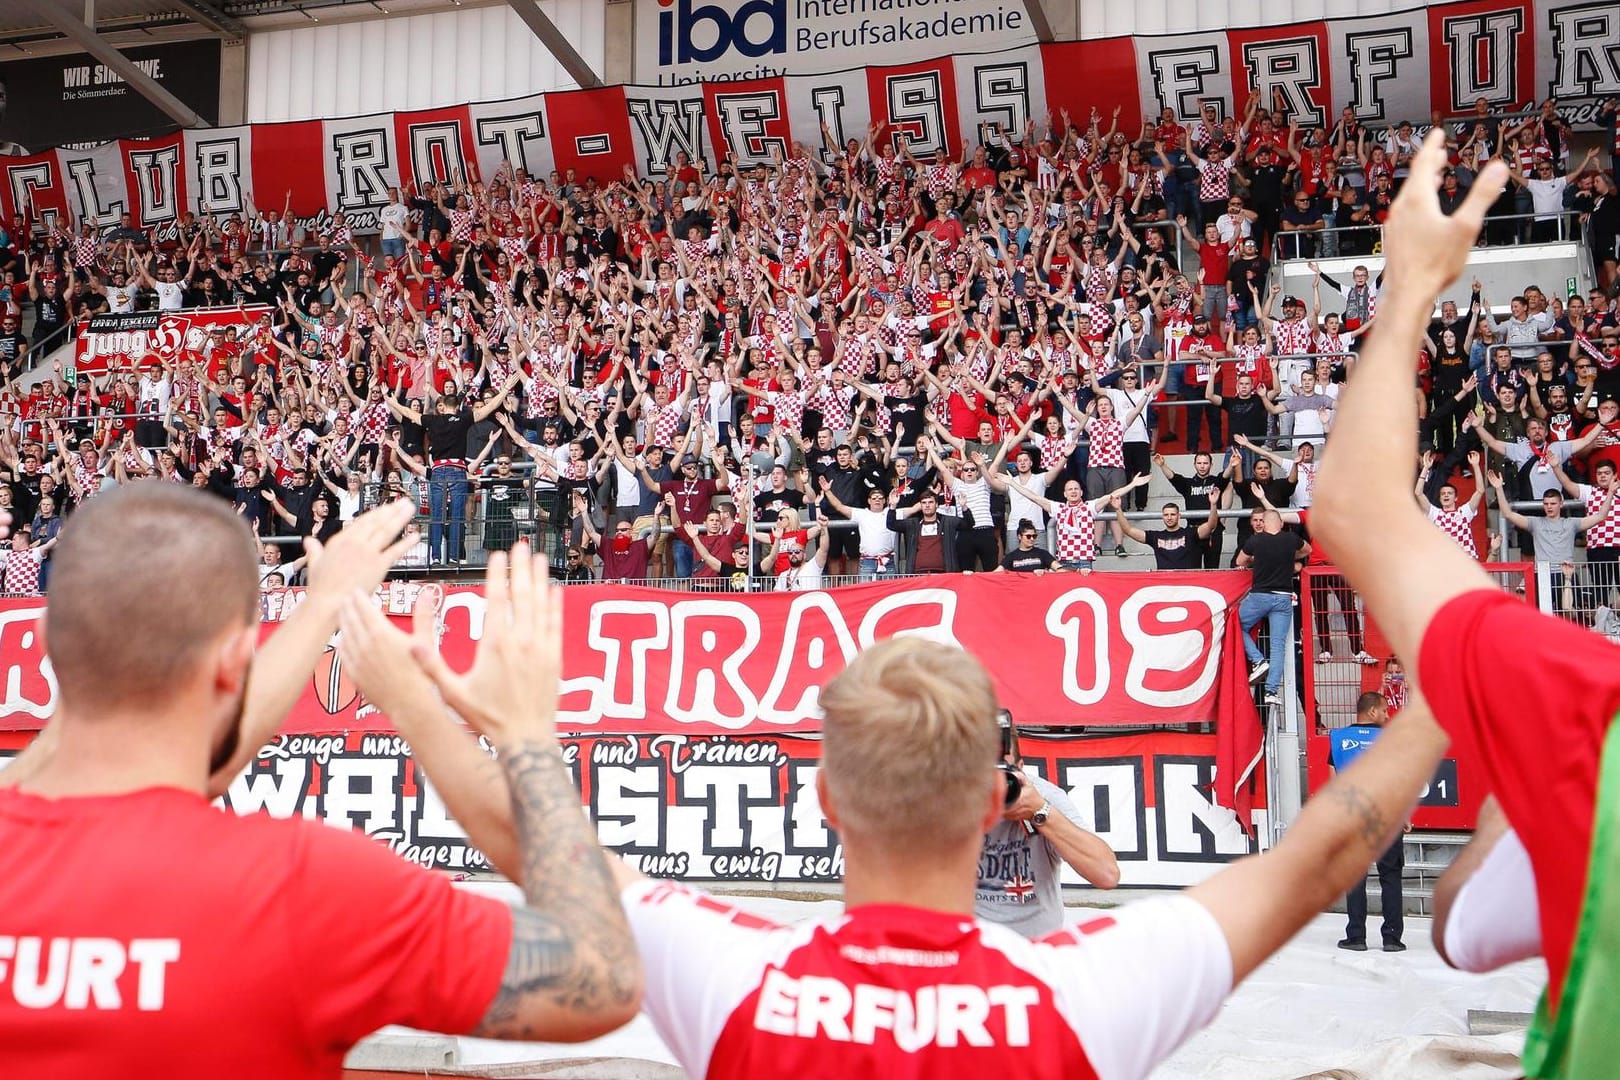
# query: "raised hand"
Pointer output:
{"type": "Point", "coordinates": [1425, 249]}
{"type": "Point", "coordinates": [510, 692]}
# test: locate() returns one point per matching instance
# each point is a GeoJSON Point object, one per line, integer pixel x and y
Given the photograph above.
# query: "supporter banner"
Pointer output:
{"type": "Point", "coordinates": [75, 98]}
{"type": "Point", "coordinates": [1384, 68]}
{"type": "Point", "coordinates": [1064, 649]}
{"type": "Point", "coordinates": [721, 808]}
{"type": "Point", "coordinates": [124, 341]}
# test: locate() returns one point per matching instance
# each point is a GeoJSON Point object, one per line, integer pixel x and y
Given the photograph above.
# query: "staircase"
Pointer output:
{"type": "Point", "coordinates": [1427, 856]}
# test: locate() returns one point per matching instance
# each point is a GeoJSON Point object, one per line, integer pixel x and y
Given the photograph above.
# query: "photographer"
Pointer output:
{"type": "Point", "coordinates": [1023, 855]}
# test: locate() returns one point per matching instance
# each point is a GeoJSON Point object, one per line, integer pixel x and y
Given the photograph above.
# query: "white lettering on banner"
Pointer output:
{"type": "Point", "coordinates": [82, 171]}
{"type": "Point", "coordinates": [1290, 67]}
{"type": "Point", "coordinates": [1374, 60]}
{"type": "Point", "coordinates": [1179, 78]}
{"type": "Point", "coordinates": [1068, 629]}
{"type": "Point", "coordinates": [23, 181]}
{"type": "Point", "coordinates": [1191, 827]}
{"type": "Point", "coordinates": [828, 103]}
{"type": "Point", "coordinates": [219, 176]}
{"type": "Point", "coordinates": [1113, 791]}
{"type": "Point", "coordinates": [917, 111]}
{"type": "Point", "coordinates": [155, 185]}
{"type": "Point", "coordinates": [1157, 653]}
{"type": "Point", "coordinates": [667, 126]}
{"type": "Point", "coordinates": [1001, 94]}
{"type": "Point", "coordinates": [946, 1014]}
{"type": "Point", "coordinates": [1484, 57]}
{"type": "Point", "coordinates": [740, 809]}
{"type": "Point", "coordinates": [743, 120]}
{"type": "Point", "coordinates": [512, 135]}
{"type": "Point", "coordinates": [29, 680]}
{"type": "Point", "coordinates": [80, 972]}
{"type": "Point", "coordinates": [1585, 55]}
{"type": "Point", "coordinates": [361, 157]}
{"type": "Point", "coordinates": [436, 152]}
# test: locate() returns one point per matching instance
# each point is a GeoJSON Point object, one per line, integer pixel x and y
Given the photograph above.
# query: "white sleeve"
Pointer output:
{"type": "Point", "coordinates": [702, 958]}
{"type": "Point", "coordinates": [1135, 983]}
{"type": "Point", "coordinates": [1495, 919]}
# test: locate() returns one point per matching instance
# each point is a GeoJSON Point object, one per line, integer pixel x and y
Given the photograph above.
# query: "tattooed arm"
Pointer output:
{"type": "Point", "coordinates": [1263, 901]}
{"type": "Point", "coordinates": [572, 972]}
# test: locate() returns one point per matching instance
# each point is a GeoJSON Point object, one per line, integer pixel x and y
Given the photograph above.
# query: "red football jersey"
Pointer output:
{"type": "Point", "coordinates": [151, 932]}
{"type": "Point", "coordinates": [903, 993]}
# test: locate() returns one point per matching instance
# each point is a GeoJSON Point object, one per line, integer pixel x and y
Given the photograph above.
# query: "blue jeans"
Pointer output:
{"type": "Point", "coordinates": [870, 570]}
{"type": "Point", "coordinates": [685, 559]}
{"type": "Point", "coordinates": [1277, 609]}
{"type": "Point", "coordinates": [446, 480]}
{"type": "Point", "coordinates": [396, 248]}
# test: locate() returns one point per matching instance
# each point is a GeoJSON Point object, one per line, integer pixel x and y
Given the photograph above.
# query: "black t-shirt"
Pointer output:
{"type": "Point", "coordinates": [1200, 494]}
{"type": "Point", "coordinates": [769, 503]}
{"type": "Point", "coordinates": [1175, 549]}
{"type": "Point", "coordinates": [1273, 555]}
{"type": "Point", "coordinates": [447, 433]}
{"type": "Point", "coordinates": [1246, 415]}
{"type": "Point", "coordinates": [1027, 562]}
{"type": "Point", "coordinates": [908, 416]}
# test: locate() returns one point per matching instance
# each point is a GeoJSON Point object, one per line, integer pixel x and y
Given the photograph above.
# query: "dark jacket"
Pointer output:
{"type": "Point", "coordinates": [910, 527]}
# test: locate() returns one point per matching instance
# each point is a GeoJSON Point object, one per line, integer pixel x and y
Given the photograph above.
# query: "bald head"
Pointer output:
{"type": "Point", "coordinates": [128, 630]}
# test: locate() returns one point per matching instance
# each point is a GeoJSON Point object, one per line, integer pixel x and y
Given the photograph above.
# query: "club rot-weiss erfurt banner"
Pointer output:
{"type": "Point", "coordinates": [758, 99]}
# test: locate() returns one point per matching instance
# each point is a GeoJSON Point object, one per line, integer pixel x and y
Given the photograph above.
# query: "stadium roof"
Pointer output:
{"type": "Point", "coordinates": [26, 29]}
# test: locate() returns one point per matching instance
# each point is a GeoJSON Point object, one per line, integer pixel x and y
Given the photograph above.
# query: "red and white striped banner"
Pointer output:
{"type": "Point", "coordinates": [1406, 65]}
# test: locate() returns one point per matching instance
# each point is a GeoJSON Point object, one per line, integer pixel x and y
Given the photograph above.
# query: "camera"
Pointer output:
{"type": "Point", "coordinates": [1015, 782]}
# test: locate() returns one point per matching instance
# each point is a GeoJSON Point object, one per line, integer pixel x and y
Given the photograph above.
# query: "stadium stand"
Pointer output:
{"type": "Point", "coordinates": [687, 356]}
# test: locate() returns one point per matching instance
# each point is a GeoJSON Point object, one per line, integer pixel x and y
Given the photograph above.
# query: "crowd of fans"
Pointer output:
{"type": "Point", "coordinates": [869, 367]}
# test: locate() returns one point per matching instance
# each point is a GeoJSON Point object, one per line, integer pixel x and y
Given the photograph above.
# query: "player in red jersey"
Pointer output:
{"type": "Point", "coordinates": [139, 924]}
{"type": "Point", "coordinates": [1461, 637]}
{"type": "Point", "coordinates": [905, 982]}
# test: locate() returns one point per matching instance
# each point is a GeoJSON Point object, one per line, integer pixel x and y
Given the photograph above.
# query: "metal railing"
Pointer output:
{"type": "Point", "coordinates": [1500, 230]}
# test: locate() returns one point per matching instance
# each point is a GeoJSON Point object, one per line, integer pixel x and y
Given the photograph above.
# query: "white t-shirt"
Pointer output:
{"type": "Point", "coordinates": [1019, 505]}
{"type": "Point", "coordinates": [1495, 919]}
{"type": "Point", "coordinates": [806, 577]}
{"type": "Point", "coordinates": [1547, 196]}
{"type": "Point", "coordinates": [393, 217]}
{"type": "Point", "coordinates": [877, 539]}
{"type": "Point", "coordinates": [171, 294]}
{"type": "Point", "coordinates": [882, 990]}
{"type": "Point", "coordinates": [1124, 404]}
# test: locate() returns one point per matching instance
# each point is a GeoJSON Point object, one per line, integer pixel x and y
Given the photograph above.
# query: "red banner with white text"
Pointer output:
{"type": "Point", "coordinates": [1102, 649]}
{"type": "Point", "coordinates": [1384, 68]}
{"type": "Point", "coordinates": [126, 342]}
{"type": "Point", "coordinates": [1064, 650]}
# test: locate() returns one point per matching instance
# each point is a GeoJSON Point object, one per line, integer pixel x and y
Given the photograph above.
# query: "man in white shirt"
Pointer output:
{"type": "Point", "coordinates": [393, 218]}
{"type": "Point", "coordinates": [878, 550]}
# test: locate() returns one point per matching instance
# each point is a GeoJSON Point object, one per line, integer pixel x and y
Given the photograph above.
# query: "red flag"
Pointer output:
{"type": "Point", "coordinates": [1240, 741]}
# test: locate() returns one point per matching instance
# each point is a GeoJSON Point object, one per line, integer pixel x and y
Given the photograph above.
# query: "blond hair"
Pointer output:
{"type": "Point", "coordinates": [909, 746]}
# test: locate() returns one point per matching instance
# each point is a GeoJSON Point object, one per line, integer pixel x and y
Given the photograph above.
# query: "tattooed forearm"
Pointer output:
{"type": "Point", "coordinates": [1371, 826]}
{"type": "Point", "coordinates": [571, 951]}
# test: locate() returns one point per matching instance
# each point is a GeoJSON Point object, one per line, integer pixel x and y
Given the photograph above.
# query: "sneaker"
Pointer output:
{"type": "Point", "coordinates": [1273, 697]}
{"type": "Point", "coordinates": [1365, 657]}
{"type": "Point", "coordinates": [1394, 946]}
{"type": "Point", "coordinates": [1324, 657]}
{"type": "Point", "coordinates": [1258, 669]}
{"type": "Point", "coordinates": [1353, 945]}
{"type": "Point", "coordinates": [1122, 553]}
